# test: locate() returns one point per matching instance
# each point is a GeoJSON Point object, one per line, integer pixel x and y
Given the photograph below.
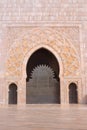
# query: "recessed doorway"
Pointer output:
{"type": "Point", "coordinates": [42, 82]}
{"type": "Point", "coordinates": [73, 93]}
{"type": "Point", "coordinates": [12, 93]}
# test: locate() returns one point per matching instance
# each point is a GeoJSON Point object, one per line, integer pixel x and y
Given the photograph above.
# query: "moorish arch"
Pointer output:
{"type": "Point", "coordinates": [37, 38]}
{"type": "Point", "coordinates": [43, 82]}
{"type": "Point", "coordinates": [39, 47]}
{"type": "Point", "coordinates": [57, 95]}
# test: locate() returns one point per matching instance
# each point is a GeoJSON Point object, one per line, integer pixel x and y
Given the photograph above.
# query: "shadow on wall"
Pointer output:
{"type": "Point", "coordinates": [85, 99]}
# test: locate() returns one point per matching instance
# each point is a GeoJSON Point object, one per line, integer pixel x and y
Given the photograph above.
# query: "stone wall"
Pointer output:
{"type": "Point", "coordinates": [14, 11]}
{"type": "Point", "coordinates": [16, 16]}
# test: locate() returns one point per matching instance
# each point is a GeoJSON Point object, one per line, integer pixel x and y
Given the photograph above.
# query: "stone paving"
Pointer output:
{"type": "Point", "coordinates": [43, 117]}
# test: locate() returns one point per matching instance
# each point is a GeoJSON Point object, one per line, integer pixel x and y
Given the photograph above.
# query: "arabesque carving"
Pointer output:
{"type": "Point", "coordinates": [39, 36]}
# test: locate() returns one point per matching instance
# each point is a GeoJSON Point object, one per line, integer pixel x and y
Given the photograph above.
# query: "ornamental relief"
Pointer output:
{"type": "Point", "coordinates": [42, 36]}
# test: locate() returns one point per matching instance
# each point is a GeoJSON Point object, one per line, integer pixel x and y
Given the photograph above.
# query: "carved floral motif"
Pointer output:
{"type": "Point", "coordinates": [47, 36]}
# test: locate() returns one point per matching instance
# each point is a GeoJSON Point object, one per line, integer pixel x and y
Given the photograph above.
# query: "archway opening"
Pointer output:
{"type": "Point", "coordinates": [73, 93]}
{"type": "Point", "coordinates": [12, 93]}
{"type": "Point", "coordinates": [42, 82]}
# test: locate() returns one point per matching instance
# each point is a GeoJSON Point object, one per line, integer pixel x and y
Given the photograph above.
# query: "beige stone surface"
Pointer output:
{"type": "Point", "coordinates": [43, 117]}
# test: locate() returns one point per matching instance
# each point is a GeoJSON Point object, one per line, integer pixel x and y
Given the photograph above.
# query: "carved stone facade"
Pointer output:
{"type": "Point", "coordinates": [61, 31]}
{"type": "Point", "coordinates": [53, 40]}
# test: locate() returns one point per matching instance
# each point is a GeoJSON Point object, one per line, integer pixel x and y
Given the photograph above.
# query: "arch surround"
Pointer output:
{"type": "Point", "coordinates": [42, 37]}
{"type": "Point", "coordinates": [50, 39]}
{"type": "Point", "coordinates": [22, 82]}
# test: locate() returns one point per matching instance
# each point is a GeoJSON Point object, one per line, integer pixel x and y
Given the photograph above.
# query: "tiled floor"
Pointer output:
{"type": "Point", "coordinates": [43, 117]}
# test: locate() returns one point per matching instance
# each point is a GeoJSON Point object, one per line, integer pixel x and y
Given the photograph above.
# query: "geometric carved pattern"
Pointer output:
{"type": "Point", "coordinates": [42, 71]}
{"type": "Point", "coordinates": [39, 36]}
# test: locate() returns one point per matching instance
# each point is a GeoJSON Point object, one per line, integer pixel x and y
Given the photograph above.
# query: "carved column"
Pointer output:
{"type": "Point", "coordinates": [6, 93]}
{"type": "Point", "coordinates": [62, 91]}
{"type": "Point", "coordinates": [22, 92]}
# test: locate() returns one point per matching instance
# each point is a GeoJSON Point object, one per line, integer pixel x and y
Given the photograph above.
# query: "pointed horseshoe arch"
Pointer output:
{"type": "Point", "coordinates": [34, 49]}
{"type": "Point", "coordinates": [30, 53]}
{"type": "Point", "coordinates": [44, 86]}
